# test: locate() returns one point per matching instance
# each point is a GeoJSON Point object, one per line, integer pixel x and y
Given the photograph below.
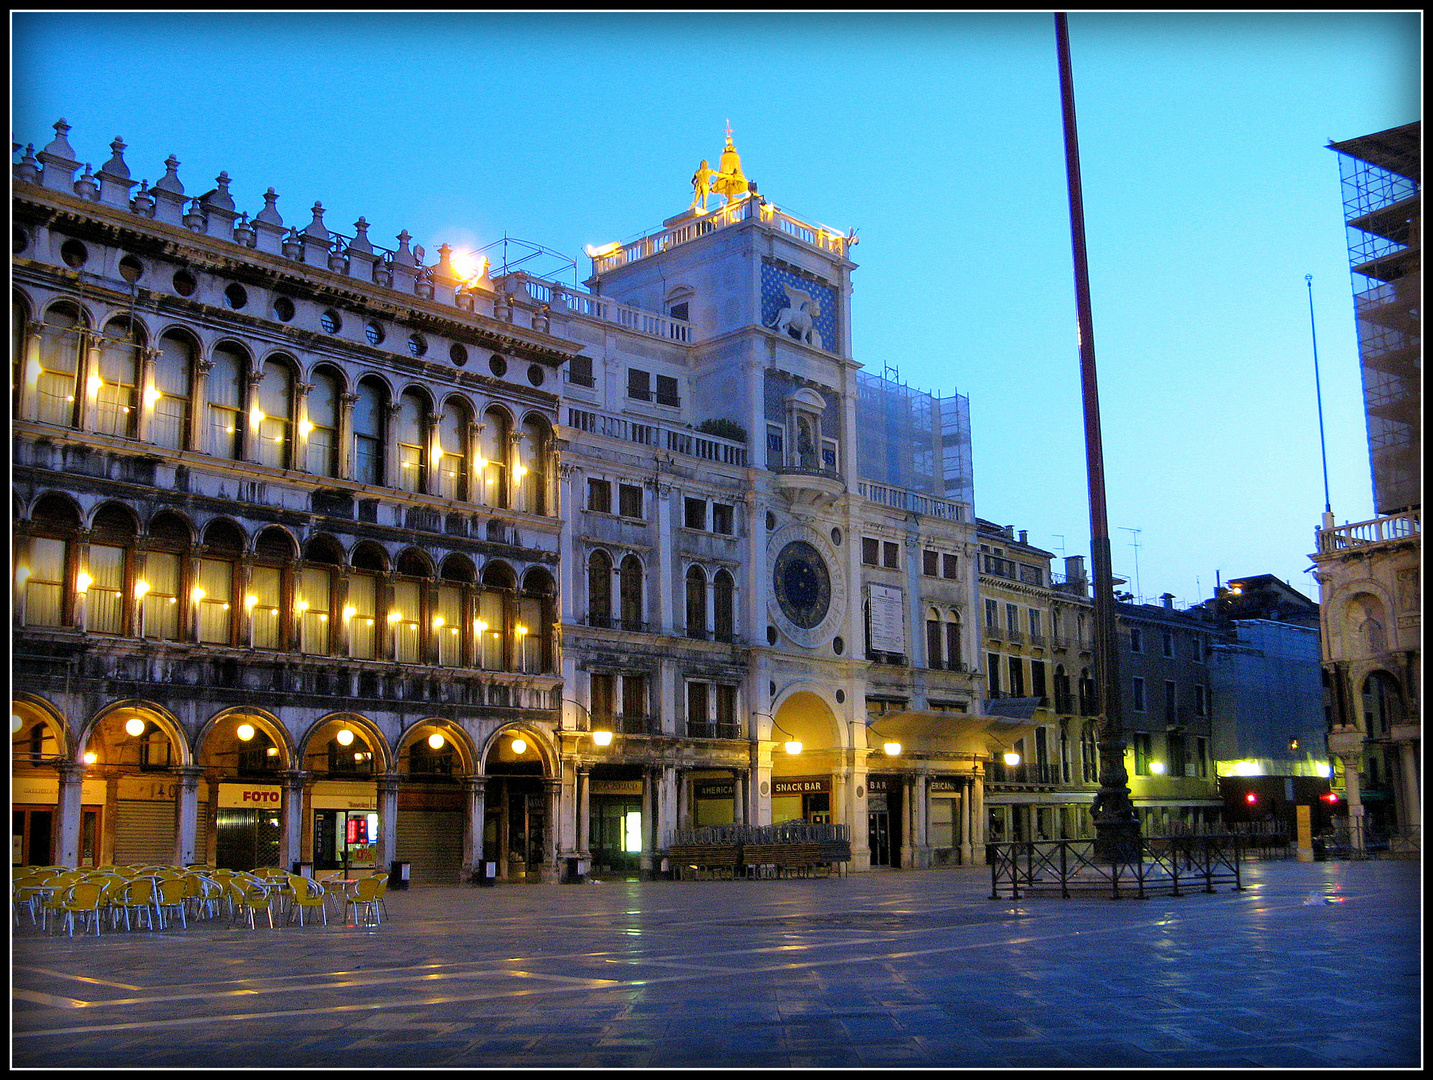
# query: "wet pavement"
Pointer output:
{"type": "Point", "coordinates": [1313, 965]}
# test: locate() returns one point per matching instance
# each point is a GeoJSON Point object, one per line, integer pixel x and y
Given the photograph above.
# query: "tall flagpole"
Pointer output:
{"type": "Point", "coordinates": [1116, 824]}
{"type": "Point", "coordinates": [1318, 393]}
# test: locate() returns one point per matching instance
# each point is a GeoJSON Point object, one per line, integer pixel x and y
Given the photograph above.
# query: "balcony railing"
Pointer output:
{"type": "Point", "coordinates": [705, 447]}
{"type": "Point", "coordinates": [913, 501]}
{"type": "Point", "coordinates": [1027, 773]}
{"type": "Point", "coordinates": [1361, 534]}
{"type": "Point", "coordinates": [705, 729]}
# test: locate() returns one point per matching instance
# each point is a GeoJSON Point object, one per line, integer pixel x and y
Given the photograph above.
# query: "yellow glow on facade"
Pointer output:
{"type": "Point", "coordinates": [197, 594]}
{"type": "Point", "coordinates": [83, 582]}
{"type": "Point", "coordinates": [151, 396]}
{"type": "Point", "coordinates": [793, 746]}
{"type": "Point", "coordinates": [91, 757]}
{"type": "Point", "coordinates": [1247, 768]}
{"type": "Point", "coordinates": [1011, 758]}
{"type": "Point", "coordinates": [892, 749]}
{"type": "Point", "coordinates": [93, 386]}
{"type": "Point", "coordinates": [394, 616]}
{"type": "Point", "coordinates": [22, 575]}
{"type": "Point", "coordinates": [349, 611]}
{"type": "Point", "coordinates": [140, 588]}
{"type": "Point", "coordinates": [256, 416]}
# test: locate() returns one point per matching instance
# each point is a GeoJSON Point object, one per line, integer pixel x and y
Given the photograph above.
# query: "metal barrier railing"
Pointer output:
{"type": "Point", "coordinates": [1156, 864]}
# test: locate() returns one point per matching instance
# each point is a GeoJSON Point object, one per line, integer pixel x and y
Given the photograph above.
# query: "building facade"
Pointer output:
{"type": "Point", "coordinates": [1369, 572]}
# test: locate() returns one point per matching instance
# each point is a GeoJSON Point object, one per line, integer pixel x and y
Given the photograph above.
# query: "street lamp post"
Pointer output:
{"type": "Point", "coordinates": [1116, 825]}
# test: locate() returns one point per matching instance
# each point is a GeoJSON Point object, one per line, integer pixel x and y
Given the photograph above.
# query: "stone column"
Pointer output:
{"type": "Point", "coordinates": [977, 817]}
{"type": "Point", "coordinates": [1351, 779]}
{"type": "Point", "coordinates": [196, 439]}
{"type": "Point", "coordinates": [683, 802]}
{"type": "Point", "coordinates": [344, 434]}
{"type": "Point", "coordinates": [390, 445]}
{"type": "Point", "coordinates": [907, 821]}
{"type": "Point", "coordinates": [962, 808]}
{"type": "Point", "coordinates": [1411, 816]}
{"type": "Point", "coordinates": [553, 786]}
{"type": "Point", "coordinates": [646, 861]}
{"type": "Point", "coordinates": [291, 843]}
{"type": "Point", "coordinates": [298, 452]}
{"type": "Point", "coordinates": [738, 796]}
{"type": "Point", "coordinates": [211, 826]}
{"type": "Point", "coordinates": [584, 813]}
{"type": "Point", "coordinates": [67, 814]}
{"type": "Point", "coordinates": [387, 821]}
{"type": "Point", "coordinates": [922, 838]}
{"type": "Point", "coordinates": [89, 370]}
{"type": "Point", "coordinates": [249, 438]}
{"type": "Point", "coordinates": [143, 386]}
{"type": "Point", "coordinates": [476, 788]}
{"type": "Point", "coordinates": [187, 808]}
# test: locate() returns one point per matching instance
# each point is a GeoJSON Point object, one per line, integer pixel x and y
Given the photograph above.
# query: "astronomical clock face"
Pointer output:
{"type": "Point", "coordinates": [807, 586]}
{"type": "Point", "coordinates": [802, 584]}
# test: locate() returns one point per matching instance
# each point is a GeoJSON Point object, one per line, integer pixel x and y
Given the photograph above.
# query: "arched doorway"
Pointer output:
{"type": "Point", "coordinates": [345, 753]}
{"type": "Point", "coordinates": [434, 758]}
{"type": "Point", "coordinates": [243, 754]}
{"type": "Point", "coordinates": [40, 747]}
{"type": "Point", "coordinates": [521, 811]}
{"type": "Point", "coordinates": [803, 784]}
{"type": "Point", "coordinates": [139, 749]}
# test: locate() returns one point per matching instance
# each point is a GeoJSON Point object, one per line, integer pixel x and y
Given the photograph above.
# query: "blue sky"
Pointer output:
{"type": "Point", "coordinates": [1209, 194]}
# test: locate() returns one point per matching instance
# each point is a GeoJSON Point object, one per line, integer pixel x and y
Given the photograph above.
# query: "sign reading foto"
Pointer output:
{"type": "Point", "coordinates": [250, 796]}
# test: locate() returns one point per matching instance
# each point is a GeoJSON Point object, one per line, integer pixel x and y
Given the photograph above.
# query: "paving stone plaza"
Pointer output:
{"type": "Point", "coordinates": [1313, 965]}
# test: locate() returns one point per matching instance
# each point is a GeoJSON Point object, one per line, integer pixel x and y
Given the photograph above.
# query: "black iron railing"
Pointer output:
{"type": "Point", "coordinates": [1155, 864]}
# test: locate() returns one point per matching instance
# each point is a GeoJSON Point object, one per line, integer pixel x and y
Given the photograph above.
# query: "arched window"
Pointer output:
{"type": "Point", "coordinates": [314, 602]}
{"type": "Point", "coordinates": [111, 541]}
{"type": "Point", "coordinates": [117, 395]}
{"type": "Point", "coordinates": [1089, 700]}
{"type": "Point", "coordinates": [696, 603]}
{"type": "Point", "coordinates": [173, 375]}
{"type": "Point", "coordinates": [449, 619]}
{"type": "Point", "coordinates": [214, 592]}
{"type": "Point", "coordinates": [323, 424]}
{"type": "Point", "coordinates": [933, 639]}
{"type": "Point", "coordinates": [953, 653]}
{"type": "Point", "coordinates": [44, 574]}
{"type": "Point", "coordinates": [491, 625]}
{"type": "Point", "coordinates": [724, 606]}
{"type": "Point", "coordinates": [269, 580]}
{"type": "Point", "coordinates": [163, 578]}
{"type": "Point", "coordinates": [451, 453]}
{"type": "Point", "coordinates": [61, 346]}
{"type": "Point", "coordinates": [276, 414]}
{"type": "Point", "coordinates": [361, 613]}
{"type": "Point", "coordinates": [599, 589]}
{"type": "Point", "coordinates": [630, 589]}
{"type": "Point", "coordinates": [533, 628]}
{"type": "Point", "coordinates": [493, 456]}
{"type": "Point", "coordinates": [412, 423]}
{"type": "Point", "coordinates": [407, 614]}
{"type": "Point", "coordinates": [531, 465]}
{"type": "Point", "coordinates": [224, 391]}
{"type": "Point", "coordinates": [368, 433]}
{"type": "Point", "coordinates": [1063, 702]}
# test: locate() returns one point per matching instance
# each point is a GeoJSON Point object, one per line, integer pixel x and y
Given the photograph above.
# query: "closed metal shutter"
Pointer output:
{"type": "Point", "coordinates": [143, 832]}
{"type": "Point", "coordinates": [431, 841]}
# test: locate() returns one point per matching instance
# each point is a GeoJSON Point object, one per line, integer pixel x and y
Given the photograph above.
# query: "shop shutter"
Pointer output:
{"type": "Point", "coordinates": [431, 841]}
{"type": "Point", "coordinates": [143, 832]}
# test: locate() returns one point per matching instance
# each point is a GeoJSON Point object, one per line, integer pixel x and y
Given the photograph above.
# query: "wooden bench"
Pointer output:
{"type": "Point", "coordinates": [711, 859]}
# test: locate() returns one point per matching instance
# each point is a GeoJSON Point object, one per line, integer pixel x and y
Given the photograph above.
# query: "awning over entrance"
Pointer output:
{"type": "Point", "coordinates": [952, 734]}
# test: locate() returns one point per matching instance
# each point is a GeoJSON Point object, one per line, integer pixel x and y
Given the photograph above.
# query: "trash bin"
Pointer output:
{"type": "Point", "coordinates": [487, 873]}
{"type": "Point", "coordinates": [304, 868]}
{"type": "Point", "coordinates": [398, 875]}
{"type": "Point", "coordinates": [574, 871]}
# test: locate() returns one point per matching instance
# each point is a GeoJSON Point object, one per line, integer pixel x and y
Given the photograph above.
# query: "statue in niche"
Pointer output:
{"type": "Point", "coordinates": [798, 318]}
{"type": "Point", "coordinates": [1372, 630]}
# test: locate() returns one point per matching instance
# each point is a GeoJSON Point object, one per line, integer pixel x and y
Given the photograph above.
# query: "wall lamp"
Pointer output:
{"type": "Point", "coordinates": [600, 736]}
{"type": "Point", "coordinates": [792, 745]}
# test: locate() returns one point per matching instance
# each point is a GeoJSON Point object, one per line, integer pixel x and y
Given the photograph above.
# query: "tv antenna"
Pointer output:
{"type": "Point", "coordinates": [1134, 543]}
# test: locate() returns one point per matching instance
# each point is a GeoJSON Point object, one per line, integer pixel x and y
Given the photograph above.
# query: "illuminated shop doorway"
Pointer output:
{"type": "Point", "coordinates": [344, 839]}
{"type": "Point", "coordinates": [615, 840]}
{"type": "Point", "coordinates": [515, 827]}
{"type": "Point", "coordinates": [883, 819]}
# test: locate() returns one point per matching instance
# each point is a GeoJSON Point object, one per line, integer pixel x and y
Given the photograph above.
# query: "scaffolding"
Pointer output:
{"type": "Point", "coordinates": [1381, 176]}
{"type": "Point", "coordinates": [912, 439]}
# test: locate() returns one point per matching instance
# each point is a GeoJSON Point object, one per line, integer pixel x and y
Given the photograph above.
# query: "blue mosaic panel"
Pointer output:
{"type": "Point", "coordinates": [799, 306]}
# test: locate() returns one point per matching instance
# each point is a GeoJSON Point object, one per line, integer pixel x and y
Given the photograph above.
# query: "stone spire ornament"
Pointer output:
{"type": "Point", "coordinates": [114, 176]}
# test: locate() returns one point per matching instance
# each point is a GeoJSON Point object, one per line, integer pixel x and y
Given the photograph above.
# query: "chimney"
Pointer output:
{"type": "Point", "coordinates": [1024, 536]}
{"type": "Point", "coordinates": [1168, 599]}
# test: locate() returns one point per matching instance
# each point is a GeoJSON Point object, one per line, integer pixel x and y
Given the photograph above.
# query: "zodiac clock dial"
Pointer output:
{"type": "Point", "coordinates": [802, 584]}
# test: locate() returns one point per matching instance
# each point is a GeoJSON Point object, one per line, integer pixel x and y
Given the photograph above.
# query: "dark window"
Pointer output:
{"type": "Point", "coordinates": [1141, 753]}
{"type": "Point", "coordinates": [599, 496]}
{"type": "Point", "coordinates": [696, 517]}
{"type": "Point", "coordinates": [1136, 640]}
{"type": "Point", "coordinates": [948, 566]}
{"type": "Point", "coordinates": [722, 519]}
{"type": "Point", "coordinates": [870, 551]}
{"type": "Point", "coordinates": [930, 563]}
{"type": "Point", "coordinates": [629, 501]}
{"type": "Point", "coordinates": [667, 391]}
{"type": "Point", "coordinates": [992, 671]}
{"type": "Point", "coordinates": [679, 311]}
{"type": "Point", "coordinates": [1017, 677]}
{"type": "Point", "coordinates": [891, 552]}
{"type": "Point", "coordinates": [639, 385]}
{"type": "Point", "coordinates": [579, 371]}
{"type": "Point", "coordinates": [932, 643]}
{"type": "Point", "coordinates": [330, 321]}
{"type": "Point", "coordinates": [1168, 644]}
{"type": "Point", "coordinates": [1037, 678]}
{"type": "Point", "coordinates": [1171, 698]}
{"type": "Point", "coordinates": [1138, 694]}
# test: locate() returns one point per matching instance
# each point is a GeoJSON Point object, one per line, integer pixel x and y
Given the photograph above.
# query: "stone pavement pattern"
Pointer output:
{"type": "Point", "coordinates": [1314, 965]}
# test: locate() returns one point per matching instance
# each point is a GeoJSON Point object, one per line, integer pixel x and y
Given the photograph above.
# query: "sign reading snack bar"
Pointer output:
{"type": "Point", "coordinates": [250, 796]}
{"type": "Point", "coordinates": [799, 785]}
{"type": "Point", "coordinates": [888, 623]}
